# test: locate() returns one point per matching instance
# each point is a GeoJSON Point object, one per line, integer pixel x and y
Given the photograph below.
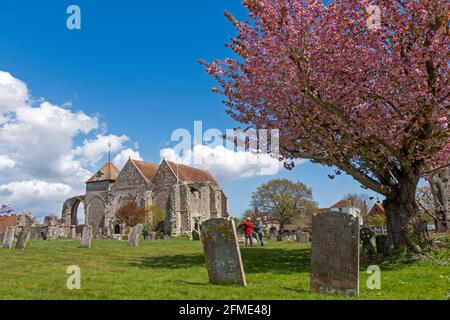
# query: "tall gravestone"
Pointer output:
{"type": "Point", "coordinates": [221, 248]}
{"type": "Point", "coordinates": [302, 237]}
{"type": "Point", "coordinates": [86, 237]}
{"type": "Point", "coordinates": [135, 235]}
{"type": "Point", "coordinates": [8, 238]}
{"type": "Point", "coordinates": [335, 254]}
{"type": "Point", "coordinates": [24, 237]}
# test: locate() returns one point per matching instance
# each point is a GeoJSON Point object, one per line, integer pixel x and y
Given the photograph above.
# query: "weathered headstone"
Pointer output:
{"type": "Point", "coordinates": [221, 248]}
{"type": "Point", "coordinates": [153, 236]}
{"type": "Point", "coordinates": [302, 237]}
{"type": "Point", "coordinates": [23, 238]}
{"type": "Point", "coordinates": [126, 233]}
{"type": "Point", "coordinates": [335, 254]}
{"type": "Point", "coordinates": [135, 235]}
{"type": "Point", "coordinates": [367, 236]}
{"type": "Point", "coordinates": [195, 235]}
{"type": "Point", "coordinates": [381, 241]}
{"type": "Point", "coordinates": [8, 239]}
{"type": "Point", "coordinates": [86, 237]}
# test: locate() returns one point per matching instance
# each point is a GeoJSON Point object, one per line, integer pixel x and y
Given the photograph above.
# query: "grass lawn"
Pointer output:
{"type": "Point", "coordinates": [175, 269]}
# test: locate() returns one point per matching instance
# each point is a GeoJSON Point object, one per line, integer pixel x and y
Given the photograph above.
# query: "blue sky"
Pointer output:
{"type": "Point", "coordinates": [134, 64]}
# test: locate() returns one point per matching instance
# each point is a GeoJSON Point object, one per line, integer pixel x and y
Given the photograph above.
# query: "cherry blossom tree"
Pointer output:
{"type": "Point", "coordinates": [371, 101]}
{"type": "Point", "coordinates": [6, 210]}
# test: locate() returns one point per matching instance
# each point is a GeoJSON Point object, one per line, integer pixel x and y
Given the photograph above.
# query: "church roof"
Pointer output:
{"type": "Point", "coordinates": [108, 172]}
{"type": "Point", "coordinates": [346, 203]}
{"type": "Point", "coordinates": [148, 170]}
{"type": "Point", "coordinates": [191, 174]}
{"type": "Point", "coordinates": [378, 209]}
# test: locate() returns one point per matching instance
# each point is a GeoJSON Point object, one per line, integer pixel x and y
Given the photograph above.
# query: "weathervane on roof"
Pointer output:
{"type": "Point", "coordinates": [109, 159]}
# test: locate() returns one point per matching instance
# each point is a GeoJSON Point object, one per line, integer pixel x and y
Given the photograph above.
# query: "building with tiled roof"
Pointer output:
{"type": "Point", "coordinates": [377, 209]}
{"type": "Point", "coordinates": [7, 221]}
{"type": "Point", "coordinates": [108, 172]}
{"type": "Point", "coordinates": [187, 195]}
{"type": "Point", "coordinates": [345, 206]}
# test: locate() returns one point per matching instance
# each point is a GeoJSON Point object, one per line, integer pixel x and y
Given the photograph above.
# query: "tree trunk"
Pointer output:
{"type": "Point", "coordinates": [440, 188]}
{"type": "Point", "coordinates": [405, 227]}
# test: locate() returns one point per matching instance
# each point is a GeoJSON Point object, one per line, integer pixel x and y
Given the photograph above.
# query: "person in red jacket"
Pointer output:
{"type": "Point", "coordinates": [248, 231]}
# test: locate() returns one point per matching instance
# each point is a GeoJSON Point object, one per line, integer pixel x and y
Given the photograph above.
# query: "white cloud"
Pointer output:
{"type": "Point", "coordinates": [36, 195]}
{"type": "Point", "coordinates": [92, 151]}
{"type": "Point", "coordinates": [13, 93]}
{"type": "Point", "coordinates": [40, 162]}
{"type": "Point", "coordinates": [123, 157]}
{"type": "Point", "coordinates": [226, 164]}
{"type": "Point", "coordinates": [6, 163]}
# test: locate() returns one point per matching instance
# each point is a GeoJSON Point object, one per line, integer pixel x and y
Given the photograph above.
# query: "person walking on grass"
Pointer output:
{"type": "Point", "coordinates": [248, 231]}
{"type": "Point", "coordinates": [259, 228]}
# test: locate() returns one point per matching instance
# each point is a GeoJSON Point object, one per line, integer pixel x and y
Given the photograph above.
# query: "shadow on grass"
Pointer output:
{"type": "Point", "coordinates": [279, 261]}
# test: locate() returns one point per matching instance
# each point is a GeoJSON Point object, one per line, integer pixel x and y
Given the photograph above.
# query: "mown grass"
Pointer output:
{"type": "Point", "coordinates": [175, 269]}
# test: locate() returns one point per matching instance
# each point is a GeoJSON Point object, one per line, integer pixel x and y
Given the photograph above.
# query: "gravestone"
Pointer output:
{"type": "Point", "coordinates": [152, 236]}
{"type": "Point", "coordinates": [221, 248]}
{"type": "Point", "coordinates": [2, 236]}
{"type": "Point", "coordinates": [195, 235]}
{"type": "Point", "coordinates": [302, 237]}
{"type": "Point", "coordinates": [126, 233]}
{"type": "Point", "coordinates": [335, 254]}
{"type": "Point", "coordinates": [146, 235]}
{"type": "Point", "coordinates": [23, 238]}
{"type": "Point", "coordinates": [381, 241]}
{"type": "Point", "coordinates": [86, 237]}
{"type": "Point", "coordinates": [367, 236]}
{"type": "Point", "coordinates": [8, 239]}
{"type": "Point", "coordinates": [135, 235]}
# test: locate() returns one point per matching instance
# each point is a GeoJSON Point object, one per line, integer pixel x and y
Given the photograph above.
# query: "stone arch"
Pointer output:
{"type": "Point", "coordinates": [70, 210]}
{"type": "Point", "coordinates": [96, 213]}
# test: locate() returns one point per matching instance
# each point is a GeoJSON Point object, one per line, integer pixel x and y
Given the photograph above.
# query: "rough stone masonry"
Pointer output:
{"type": "Point", "coordinates": [335, 254]}
{"type": "Point", "coordinates": [221, 248]}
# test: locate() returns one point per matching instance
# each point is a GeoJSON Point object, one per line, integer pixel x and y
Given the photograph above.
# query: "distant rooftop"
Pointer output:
{"type": "Point", "coordinates": [108, 172]}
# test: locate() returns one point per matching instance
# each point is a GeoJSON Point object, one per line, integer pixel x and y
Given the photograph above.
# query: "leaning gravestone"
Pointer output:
{"type": "Point", "coordinates": [8, 239]}
{"type": "Point", "coordinates": [335, 254]}
{"type": "Point", "coordinates": [135, 235]}
{"type": "Point", "coordinates": [302, 237]}
{"type": "Point", "coordinates": [221, 248]}
{"type": "Point", "coordinates": [23, 238]}
{"type": "Point", "coordinates": [195, 235]}
{"type": "Point", "coordinates": [86, 237]}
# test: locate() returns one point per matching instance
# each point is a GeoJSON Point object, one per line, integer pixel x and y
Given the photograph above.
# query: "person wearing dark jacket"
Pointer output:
{"type": "Point", "coordinates": [259, 228]}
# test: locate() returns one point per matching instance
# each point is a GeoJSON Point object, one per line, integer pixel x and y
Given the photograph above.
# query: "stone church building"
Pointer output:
{"type": "Point", "coordinates": [187, 195]}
